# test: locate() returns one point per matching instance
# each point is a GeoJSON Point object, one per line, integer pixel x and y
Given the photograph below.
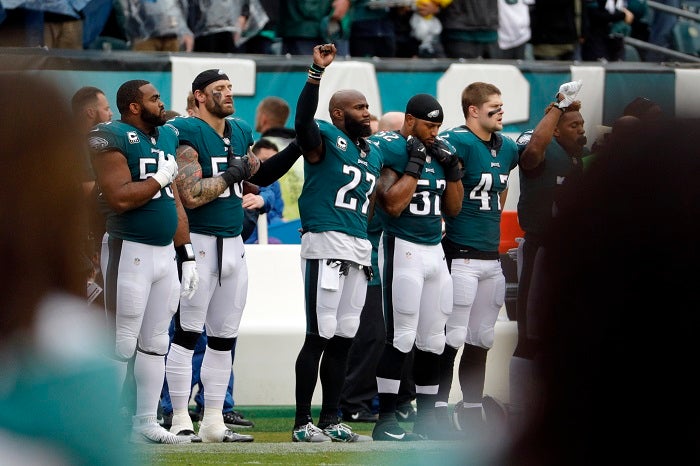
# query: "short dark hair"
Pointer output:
{"type": "Point", "coordinates": [263, 144]}
{"type": "Point", "coordinates": [128, 93]}
{"type": "Point", "coordinates": [84, 96]}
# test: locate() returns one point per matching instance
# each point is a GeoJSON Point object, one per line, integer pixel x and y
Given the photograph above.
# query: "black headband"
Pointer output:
{"type": "Point", "coordinates": [207, 77]}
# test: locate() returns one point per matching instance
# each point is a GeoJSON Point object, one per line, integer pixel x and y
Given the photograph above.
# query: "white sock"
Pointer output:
{"type": "Point", "coordinates": [178, 370]}
{"type": "Point", "coordinates": [149, 372]}
{"type": "Point", "coordinates": [215, 373]}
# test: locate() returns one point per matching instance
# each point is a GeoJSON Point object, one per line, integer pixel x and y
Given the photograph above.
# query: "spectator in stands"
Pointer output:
{"type": "Point", "coordinates": [216, 24]}
{"type": "Point", "coordinates": [513, 28]}
{"type": "Point", "coordinates": [470, 29]}
{"type": "Point", "coordinates": [406, 44]}
{"type": "Point", "coordinates": [265, 40]}
{"type": "Point", "coordinates": [371, 31]}
{"type": "Point", "coordinates": [306, 23]}
{"type": "Point", "coordinates": [157, 25]}
{"type": "Point", "coordinates": [556, 27]}
{"type": "Point", "coordinates": [606, 23]}
{"type": "Point", "coordinates": [268, 200]}
{"type": "Point", "coordinates": [21, 27]}
{"type": "Point", "coordinates": [661, 30]}
{"type": "Point", "coordinates": [63, 31]}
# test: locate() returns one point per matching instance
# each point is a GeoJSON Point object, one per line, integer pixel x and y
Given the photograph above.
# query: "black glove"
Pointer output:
{"type": "Point", "coordinates": [448, 159]}
{"type": "Point", "coordinates": [453, 170]}
{"type": "Point", "coordinates": [416, 157]}
{"type": "Point", "coordinates": [237, 171]}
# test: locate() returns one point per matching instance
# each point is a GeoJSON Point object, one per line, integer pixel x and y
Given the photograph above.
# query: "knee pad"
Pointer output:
{"type": "Point", "coordinates": [184, 338]}
{"type": "Point", "coordinates": [327, 325]}
{"type": "Point", "coordinates": [220, 344]}
{"type": "Point", "coordinates": [125, 348]}
{"type": "Point", "coordinates": [484, 339]}
{"type": "Point", "coordinates": [434, 344]}
{"type": "Point", "coordinates": [348, 325]}
{"type": "Point", "coordinates": [403, 341]}
{"type": "Point", "coordinates": [456, 336]}
{"type": "Point", "coordinates": [158, 345]}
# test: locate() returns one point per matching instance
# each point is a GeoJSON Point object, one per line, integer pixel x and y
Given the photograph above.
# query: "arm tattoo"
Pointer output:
{"type": "Point", "coordinates": [195, 190]}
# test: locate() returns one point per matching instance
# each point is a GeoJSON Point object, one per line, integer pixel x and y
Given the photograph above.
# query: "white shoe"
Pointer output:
{"type": "Point", "coordinates": [219, 433]}
{"type": "Point", "coordinates": [147, 430]}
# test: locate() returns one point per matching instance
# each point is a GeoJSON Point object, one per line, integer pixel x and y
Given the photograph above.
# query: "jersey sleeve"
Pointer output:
{"type": "Point", "coordinates": [103, 139]}
{"type": "Point", "coordinates": [523, 140]}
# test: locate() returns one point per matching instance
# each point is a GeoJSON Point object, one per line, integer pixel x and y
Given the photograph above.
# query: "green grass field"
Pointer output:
{"type": "Point", "coordinates": [273, 446]}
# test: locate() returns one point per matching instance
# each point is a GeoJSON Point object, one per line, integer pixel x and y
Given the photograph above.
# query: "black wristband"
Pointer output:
{"type": "Point", "coordinates": [184, 252]}
{"type": "Point", "coordinates": [414, 167]}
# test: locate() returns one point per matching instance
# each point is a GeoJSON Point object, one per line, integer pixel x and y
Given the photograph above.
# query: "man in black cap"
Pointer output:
{"type": "Point", "coordinates": [419, 183]}
{"type": "Point", "coordinates": [214, 159]}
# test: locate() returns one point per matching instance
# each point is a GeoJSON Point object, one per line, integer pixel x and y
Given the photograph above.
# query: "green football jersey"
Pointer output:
{"type": "Point", "coordinates": [421, 221]}
{"type": "Point", "coordinates": [224, 215]}
{"type": "Point", "coordinates": [539, 188]}
{"type": "Point", "coordinates": [486, 172]}
{"type": "Point", "coordinates": [336, 191]}
{"type": "Point", "coordinates": [155, 222]}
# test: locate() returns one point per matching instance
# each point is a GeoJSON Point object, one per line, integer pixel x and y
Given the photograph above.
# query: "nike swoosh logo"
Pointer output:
{"type": "Point", "coordinates": [355, 416]}
{"type": "Point", "coordinates": [396, 436]}
{"type": "Point", "coordinates": [403, 415]}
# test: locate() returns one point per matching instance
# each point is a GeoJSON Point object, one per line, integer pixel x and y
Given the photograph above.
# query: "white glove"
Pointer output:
{"type": "Point", "coordinates": [190, 279]}
{"type": "Point", "coordinates": [569, 91]}
{"type": "Point", "coordinates": [167, 170]}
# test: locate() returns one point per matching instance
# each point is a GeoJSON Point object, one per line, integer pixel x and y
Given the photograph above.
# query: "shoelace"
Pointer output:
{"type": "Point", "coordinates": [311, 429]}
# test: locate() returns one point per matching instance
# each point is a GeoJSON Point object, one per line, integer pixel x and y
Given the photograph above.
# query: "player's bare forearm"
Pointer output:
{"type": "Point", "coordinates": [394, 193]}
{"type": "Point", "coordinates": [194, 190]}
{"type": "Point", "coordinates": [452, 198]}
{"type": "Point", "coordinates": [121, 193]}
{"type": "Point", "coordinates": [182, 233]}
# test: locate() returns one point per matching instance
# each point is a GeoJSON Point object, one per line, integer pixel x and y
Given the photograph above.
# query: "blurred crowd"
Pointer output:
{"type": "Point", "coordinates": [589, 30]}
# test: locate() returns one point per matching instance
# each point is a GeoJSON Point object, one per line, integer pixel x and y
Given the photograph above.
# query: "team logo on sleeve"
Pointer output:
{"type": "Point", "coordinates": [132, 137]}
{"type": "Point", "coordinates": [341, 143]}
{"type": "Point", "coordinates": [97, 143]}
{"type": "Point", "coordinates": [524, 138]}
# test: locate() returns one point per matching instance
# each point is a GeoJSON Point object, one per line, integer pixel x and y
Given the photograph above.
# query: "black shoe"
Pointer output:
{"type": "Point", "coordinates": [406, 413]}
{"type": "Point", "coordinates": [466, 419]}
{"type": "Point", "coordinates": [235, 419]}
{"type": "Point", "coordinates": [195, 414]}
{"type": "Point", "coordinates": [391, 431]}
{"type": "Point", "coordinates": [363, 415]}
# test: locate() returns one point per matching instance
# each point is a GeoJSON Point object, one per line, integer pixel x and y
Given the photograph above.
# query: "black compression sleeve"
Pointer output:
{"type": "Point", "coordinates": [277, 165]}
{"type": "Point", "coordinates": [308, 134]}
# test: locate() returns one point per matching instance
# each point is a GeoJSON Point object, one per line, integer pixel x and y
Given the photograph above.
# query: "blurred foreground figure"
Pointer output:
{"type": "Point", "coordinates": [52, 358]}
{"type": "Point", "coordinates": [620, 329]}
